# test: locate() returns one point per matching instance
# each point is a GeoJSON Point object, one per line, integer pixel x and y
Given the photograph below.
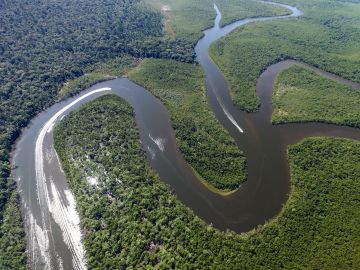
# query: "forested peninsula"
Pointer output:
{"type": "Point", "coordinates": [53, 50]}
{"type": "Point", "coordinates": [132, 220]}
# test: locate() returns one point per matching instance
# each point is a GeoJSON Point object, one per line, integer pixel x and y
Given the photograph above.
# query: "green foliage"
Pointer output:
{"type": "Point", "coordinates": [189, 18]}
{"type": "Point", "coordinates": [75, 86]}
{"type": "Point", "coordinates": [208, 148]}
{"type": "Point", "coordinates": [326, 36]}
{"type": "Point", "coordinates": [100, 72]}
{"type": "Point", "coordinates": [302, 95]}
{"type": "Point", "coordinates": [232, 10]}
{"type": "Point", "coordinates": [132, 220]}
{"type": "Point", "coordinates": [116, 67]}
{"type": "Point", "coordinates": [45, 44]}
{"type": "Point", "coordinates": [12, 235]}
{"type": "Point", "coordinates": [40, 50]}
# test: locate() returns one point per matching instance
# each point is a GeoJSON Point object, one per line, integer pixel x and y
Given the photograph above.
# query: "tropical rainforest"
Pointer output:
{"type": "Point", "coordinates": [186, 19]}
{"type": "Point", "coordinates": [44, 45]}
{"type": "Point", "coordinates": [50, 50]}
{"type": "Point", "coordinates": [205, 144]}
{"type": "Point", "coordinates": [132, 220]}
{"type": "Point", "coordinates": [302, 95]}
{"type": "Point", "coordinates": [326, 36]}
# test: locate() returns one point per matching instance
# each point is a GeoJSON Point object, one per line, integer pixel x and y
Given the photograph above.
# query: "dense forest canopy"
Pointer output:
{"type": "Point", "coordinates": [206, 146]}
{"type": "Point", "coordinates": [187, 18]}
{"type": "Point", "coordinates": [45, 44]}
{"type": "Point", "coordinates": [326, 36]}
{"type": "Point", "coordinates": [132, 220]}
{"type": "Point", "coordinates": [301, 95]}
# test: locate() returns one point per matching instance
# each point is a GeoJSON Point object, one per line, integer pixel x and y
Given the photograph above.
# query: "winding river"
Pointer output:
{"type": "Point", "coordinates": [52, 222]}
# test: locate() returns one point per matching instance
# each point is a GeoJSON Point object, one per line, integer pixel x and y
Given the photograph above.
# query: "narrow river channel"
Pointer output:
{"type": "Point", "coordinates": [49, 207]}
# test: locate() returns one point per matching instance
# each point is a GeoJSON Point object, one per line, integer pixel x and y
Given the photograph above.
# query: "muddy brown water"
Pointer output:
{"type": "Point", "coordinates": [47, 203]}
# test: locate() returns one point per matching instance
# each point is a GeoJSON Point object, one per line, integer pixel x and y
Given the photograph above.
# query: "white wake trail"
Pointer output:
{"type": "Point", "coordinates": [232, 120]}
{"type": "Point", "coordinates": [160, 142]}
{"type": "Point", "coordinates": [228, 115]}
{"type": "Point", "coordinates": [65, 216]}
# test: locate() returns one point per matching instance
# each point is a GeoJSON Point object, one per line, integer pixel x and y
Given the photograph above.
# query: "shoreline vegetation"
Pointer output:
{"type": "Point", "coordinates": [243, 9]}
{"type": "Point", "coordinates": [124, 226]}
{"type": "Point", "coordinates": [40, 51]}
{"type": "Point", "coordinates": [108, 70]}
{"type": "Point", "coordinates": [301, 95]}
{"type": "Point", "coordinates": [325, 36]}
{"type": "Point", "coordinates": [234, 10]}
{"type": "Point", "coordinates": [205, 144]}
{"type": "Point", "coordinates": [188, 19]}
{"type": "Point", "coordinates": [69, 46]}
{"type": "Point", "coordinates": [150, 73]}
{"type": "Point", "coordinates": [12, 232]}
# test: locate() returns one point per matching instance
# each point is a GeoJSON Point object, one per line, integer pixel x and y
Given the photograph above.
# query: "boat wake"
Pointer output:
{"type": "Point", "coordinates": [160, 142]}
{"type": "Point", "coordinates": [55, 204]}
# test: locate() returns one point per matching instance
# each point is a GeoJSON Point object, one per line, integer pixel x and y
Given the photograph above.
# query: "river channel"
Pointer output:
{"type": "Point", "coordinates": [49, 207]}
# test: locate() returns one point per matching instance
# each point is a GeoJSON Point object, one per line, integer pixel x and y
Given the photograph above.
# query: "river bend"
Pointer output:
{"type": "Point", "coordinates": [49, 207]}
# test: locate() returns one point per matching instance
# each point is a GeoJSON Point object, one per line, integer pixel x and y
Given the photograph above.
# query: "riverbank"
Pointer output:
{"type": "Point", "coordinates": [269, 154]}
{"type": "Point", "coordinates": [312, 38]}
{"type": "Point", "coordinates": [206, 146]}
{"type": "Point", "coordinates": [187, 19]}
{"type": "Point", "coordinates": [100, 72]}
{"type": "Point", "coordinates": [317, 227]}
{"type": "Point", "coordinates": [301, 95]}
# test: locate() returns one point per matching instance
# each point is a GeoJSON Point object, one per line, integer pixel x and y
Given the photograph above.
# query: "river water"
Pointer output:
{"type": "Point", "coordinates": [52, 223]}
